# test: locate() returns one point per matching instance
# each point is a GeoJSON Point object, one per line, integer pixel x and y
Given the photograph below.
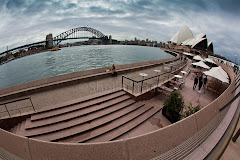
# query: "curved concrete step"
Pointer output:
{"type": "Point", "coordinates": [68, 132]}
{"type": "Point", "coordinates": [78, 100]}
{"type": "Point", "coordinates": [120, 127]}
{"type": "Point", "coordinates": [78, 113]}
{"type": "Point", "coordinates": [79, 120]}
{"type": "Point", "coordinates": [74, 107]}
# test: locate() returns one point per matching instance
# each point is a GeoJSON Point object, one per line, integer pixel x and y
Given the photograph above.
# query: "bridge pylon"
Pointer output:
{"type": "Point", "coordinates": [49, 41]}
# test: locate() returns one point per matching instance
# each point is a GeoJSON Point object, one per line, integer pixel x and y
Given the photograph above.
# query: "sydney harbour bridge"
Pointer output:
{"type": "Point", "coordinates": [74, 33]}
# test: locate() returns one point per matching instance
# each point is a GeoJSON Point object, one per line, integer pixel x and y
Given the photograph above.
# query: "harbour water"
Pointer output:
{"type": "Point", "coordinates": [73, 59]}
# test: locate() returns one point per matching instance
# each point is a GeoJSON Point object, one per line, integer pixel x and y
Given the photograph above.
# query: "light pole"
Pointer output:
{"type": "Point", "coordinates": [235, 59]}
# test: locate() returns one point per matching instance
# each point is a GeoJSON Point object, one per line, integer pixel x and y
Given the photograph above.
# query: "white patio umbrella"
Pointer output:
{"type": "Point", "coordinates": [217, 73]}
{"type": "Point", "coordinates": [201, 64]}
{"type": "Point", "coordinates": [209, 60]}
{"type": "Point", "coordinates": [198, 58]}
{"type": "Point", "coordinates": [187, 54]}
{"type": "Point", "coordinates": [222, 71]}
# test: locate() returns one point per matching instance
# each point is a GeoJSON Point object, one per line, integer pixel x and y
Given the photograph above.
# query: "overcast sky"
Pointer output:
{"type": "Point", "coordinates": [28, 21]}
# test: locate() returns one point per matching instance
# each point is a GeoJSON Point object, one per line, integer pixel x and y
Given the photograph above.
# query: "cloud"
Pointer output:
{"type": "Point", "coordinates": [105, 12]}
{"type": "Point", "coordinates": [28, 21]}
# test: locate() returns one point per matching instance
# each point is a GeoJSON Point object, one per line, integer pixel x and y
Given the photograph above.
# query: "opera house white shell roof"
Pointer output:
{"type": "Point", "coordinates": [182, 35]}
{"type": "Point", "coordinates": [195, 40]}
{"type": "Point", "coordinates": [185, 37]}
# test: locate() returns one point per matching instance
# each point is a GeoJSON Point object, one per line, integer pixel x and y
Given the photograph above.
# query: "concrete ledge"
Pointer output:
{"type": "Point", "coordinates": [15, 144]}
{"type": "Point", "coordinates": [61, 151]}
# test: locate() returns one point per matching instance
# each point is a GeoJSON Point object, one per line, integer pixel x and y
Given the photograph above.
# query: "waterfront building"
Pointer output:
{"type": "Point", "coordinates": [185, 40]}
{"type": "Point", "coordinates": [110, 39]}
{"type": "Point", "coordinates": [135, 39]}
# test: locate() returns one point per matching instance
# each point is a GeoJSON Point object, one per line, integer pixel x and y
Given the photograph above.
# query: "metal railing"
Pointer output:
{"type": "Point", "coordinates": [17, 100]}
{"type": "Point", "coordinates": [134, 82]}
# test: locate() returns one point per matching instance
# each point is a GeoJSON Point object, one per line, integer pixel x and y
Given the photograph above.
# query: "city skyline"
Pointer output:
{"type": "Point", "coordinates": [28, 21]}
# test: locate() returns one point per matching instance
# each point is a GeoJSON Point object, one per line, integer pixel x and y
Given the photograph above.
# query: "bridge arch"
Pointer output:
{"type": "Point", "coordinates": [66, 34]}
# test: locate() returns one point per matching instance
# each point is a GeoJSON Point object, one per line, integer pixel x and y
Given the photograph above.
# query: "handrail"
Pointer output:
{"type": "Point", "coordinates": [237, 80]}
{"type": "Point", "coordinates": [173, 67]}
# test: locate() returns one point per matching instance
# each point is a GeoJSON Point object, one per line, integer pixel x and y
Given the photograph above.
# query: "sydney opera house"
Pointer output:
{"type": "Point", "coordinates": [185, 40]}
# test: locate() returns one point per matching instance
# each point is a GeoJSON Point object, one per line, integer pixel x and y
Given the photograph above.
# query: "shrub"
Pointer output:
{"type": "Point", "coordinates": [190, 110]}
{"type": "Point", "coordinates": [173, 106]}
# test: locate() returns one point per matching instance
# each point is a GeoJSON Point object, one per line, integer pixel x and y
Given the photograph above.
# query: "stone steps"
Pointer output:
{"type": "Point", "coordinates": [102, 115]}
{"type": "Point", "coordinates": [68, 132]}
{"type": "Point", "coordinates": [118, 128]}
{"type": "Point", "coordinates": [75, 106]}
{"type": "Point", "coordinates": [77, 113]}
{"type": "Point", "coordinates": [77, 121]}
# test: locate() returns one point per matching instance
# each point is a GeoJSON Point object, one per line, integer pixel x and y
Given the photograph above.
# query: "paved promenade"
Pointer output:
{"type": "Point", "coordinates": [60, 95]}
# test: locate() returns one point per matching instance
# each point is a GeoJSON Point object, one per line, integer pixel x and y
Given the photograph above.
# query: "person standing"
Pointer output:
{"type": "Point", "coordinates": [195, 82]}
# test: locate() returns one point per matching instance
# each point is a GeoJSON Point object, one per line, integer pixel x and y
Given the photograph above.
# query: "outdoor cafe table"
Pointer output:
{"type": "Point", "coordinates": [143, 74]}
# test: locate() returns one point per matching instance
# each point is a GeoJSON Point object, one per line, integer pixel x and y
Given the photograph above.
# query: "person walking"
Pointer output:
{"type": "Point", "coordinates": [195, 82]}
{"type": "Point", "coordinates": [200, 83]}
{"type": "Point", "coordinates": [205, 82]}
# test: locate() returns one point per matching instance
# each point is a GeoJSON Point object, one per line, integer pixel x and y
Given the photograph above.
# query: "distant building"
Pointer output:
{"type": "Point", "coordinates": [110, 39]}
{"type": "Point", "coordinates": [135, 39]}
